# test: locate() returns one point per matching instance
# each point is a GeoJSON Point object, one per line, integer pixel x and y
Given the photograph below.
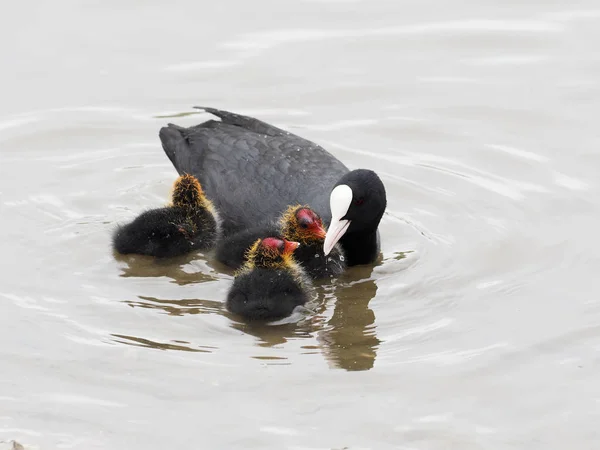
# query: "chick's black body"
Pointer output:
{"type": "Point", "coordinates": [265, 294]}
{"type": "Point", "coordinates": [166, 232]}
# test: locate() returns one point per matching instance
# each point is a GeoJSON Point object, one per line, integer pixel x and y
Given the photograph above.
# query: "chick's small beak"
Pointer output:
{"type": "Point", "coordinates": [290, 246]}
{"type": "Point", "coordinates": [319, 231]}
{"type": "Point", "coordinates": [183, 230]}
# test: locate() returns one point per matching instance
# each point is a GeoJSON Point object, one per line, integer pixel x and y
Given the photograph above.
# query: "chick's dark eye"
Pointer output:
{"type": "Point", "coordinates": [303, 223]}
{"type": "Point", "coordinates": [359, 201]}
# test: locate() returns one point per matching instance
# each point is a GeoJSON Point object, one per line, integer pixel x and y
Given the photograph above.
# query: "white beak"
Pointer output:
{"type": "Point", "coordinates": [339, 202]}
{"type": "Point", "coordinates": [334, 234]}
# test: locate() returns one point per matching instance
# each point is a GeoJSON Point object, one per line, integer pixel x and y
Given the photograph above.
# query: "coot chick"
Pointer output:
{"type": "Point", "coordinates": [253, 170]}
{"type": "Point", "coordinates": [298, 223]}
{"type": "Point", "coordinates": [189, 223]}
{"type": "Point", "coordinates": [270, 284]}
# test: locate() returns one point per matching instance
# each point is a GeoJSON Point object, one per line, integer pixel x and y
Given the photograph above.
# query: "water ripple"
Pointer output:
{"type": "Point", "coordinates": [268, 39]}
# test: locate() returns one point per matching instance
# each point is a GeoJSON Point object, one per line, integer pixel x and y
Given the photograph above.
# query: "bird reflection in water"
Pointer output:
{"type": "Point", "coordinates": [185, 269]}
{"type": "Point", "coordinates": [274, 333]}
{"type": "Point", "coordinates": [182, 346]}
{"type": "Point", "coordinates": [179, 307]}
{"type": "Point", "coordinates": [348, 339]}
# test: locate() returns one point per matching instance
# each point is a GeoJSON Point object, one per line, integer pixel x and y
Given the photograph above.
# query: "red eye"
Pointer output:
{"type": "Point", "coordinates": [359, 201]}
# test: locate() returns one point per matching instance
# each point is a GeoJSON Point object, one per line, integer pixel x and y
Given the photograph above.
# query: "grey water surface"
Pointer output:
{"type": "Point", "coordinates": [479, 328]}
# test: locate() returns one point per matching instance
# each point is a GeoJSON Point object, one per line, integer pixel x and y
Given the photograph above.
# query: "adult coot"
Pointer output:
{"type": "Point", "coordinates": [270, 284]}
{"type": "Point", "coordinates": [190, 223]}
{"type": "Point", "coordinates": [253, 171]}
{"type": "Point", "coordinates": [298, 223]}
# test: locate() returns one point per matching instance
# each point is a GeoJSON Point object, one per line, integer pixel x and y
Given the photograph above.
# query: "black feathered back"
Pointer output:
{"type": "Point", "coordinates": [252, 170]}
